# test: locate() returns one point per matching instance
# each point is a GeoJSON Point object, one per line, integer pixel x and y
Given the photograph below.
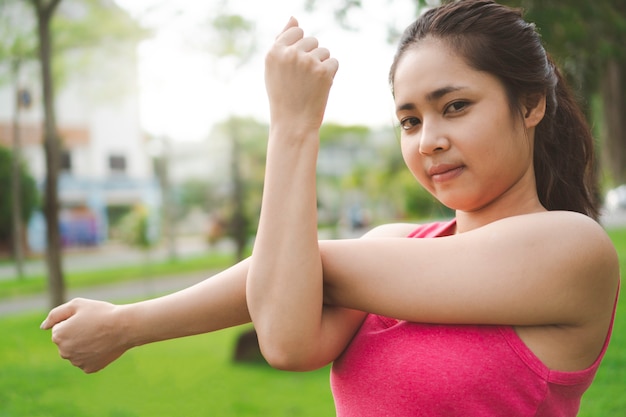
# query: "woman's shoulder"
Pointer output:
{"type": "Point", "coordinates": [564, 235]}
{"type": "Point", "coordinates": [556, 223]}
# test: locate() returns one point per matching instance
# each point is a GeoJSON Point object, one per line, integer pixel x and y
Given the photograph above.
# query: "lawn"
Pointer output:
{"type": "Point", "coordinates": [187, 377]}
{"type": "Point", "coordinates": [197, 377]}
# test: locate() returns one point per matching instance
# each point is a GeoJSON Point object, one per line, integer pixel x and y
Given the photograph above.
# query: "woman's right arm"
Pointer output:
{"type": "Point", "coordinates": [91, 334]}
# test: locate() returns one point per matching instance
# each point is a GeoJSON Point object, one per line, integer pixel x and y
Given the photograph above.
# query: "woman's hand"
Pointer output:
{"type": "Point", "coordinates": [298, 77]}
{"type": "Point", "coordinates": [87, 333]}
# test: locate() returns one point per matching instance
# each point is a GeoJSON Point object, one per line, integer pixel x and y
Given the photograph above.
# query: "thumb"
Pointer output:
{"type": "Point", "coordinates": [57, 315]}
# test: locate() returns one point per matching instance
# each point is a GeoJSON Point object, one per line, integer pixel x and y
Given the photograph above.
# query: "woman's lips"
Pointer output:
{"type": "Point", "coordinates": [445, 172]}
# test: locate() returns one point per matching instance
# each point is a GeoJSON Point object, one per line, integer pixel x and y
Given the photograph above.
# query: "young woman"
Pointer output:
{"type": "Point", "coordinates": [505, 310]}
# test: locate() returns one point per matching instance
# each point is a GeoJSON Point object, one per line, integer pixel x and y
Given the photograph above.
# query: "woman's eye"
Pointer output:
{"type": "Point", "coordinates": [409, 122]}
{"type": "Point", "coordinates": [457, 106]}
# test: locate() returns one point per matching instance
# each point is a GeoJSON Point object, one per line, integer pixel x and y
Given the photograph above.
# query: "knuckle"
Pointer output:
{"type": "Point", "coordinates": [55, 337]}
{"type": "Point", "coordinates": [65, 355]}
{"type": "Point", "coordinates": [75, 302]}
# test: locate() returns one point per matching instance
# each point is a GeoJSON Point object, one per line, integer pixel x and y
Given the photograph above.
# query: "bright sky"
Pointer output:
{"type": "Point", "coordinates": [184, 90]}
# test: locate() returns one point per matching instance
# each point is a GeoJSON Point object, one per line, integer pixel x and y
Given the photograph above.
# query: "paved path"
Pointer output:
{"type": "Point", "coordinates": [93, 258]}
{"type": "Point", "coordinates": [121, 292]}
{"type": "Point", "coordinates": [86, 259]}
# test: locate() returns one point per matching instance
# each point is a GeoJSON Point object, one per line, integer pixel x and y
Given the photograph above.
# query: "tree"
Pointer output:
{"type": "Point", "coordinates": [99, 20]}
{"type": "Point", "coordinates": [248, 139]}
{"type": "Point", "coordinates": [30, 196]}
{"type": "Point", "coordinates": [235, 42]}
{"type": "Point", "coordinates": [586, 39]}
{"type": "Point", "coordinates": [17, 47]}
{"type": "Point", "coordinates": [44, 11]}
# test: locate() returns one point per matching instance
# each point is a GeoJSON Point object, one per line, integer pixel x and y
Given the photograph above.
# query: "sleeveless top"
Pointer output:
{"type": "Point", "coordinates": [402, 369]}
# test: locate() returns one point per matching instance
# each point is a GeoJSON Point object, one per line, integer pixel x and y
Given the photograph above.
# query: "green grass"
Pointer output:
{"type": "Point", "coordinates": [38, 284]}
{"type": "Point", "coordinates": [606, 396]}
{"type": "Point", "coordinates": [196, 377]}
{"type": "Point", "coordinates": [186, 377]}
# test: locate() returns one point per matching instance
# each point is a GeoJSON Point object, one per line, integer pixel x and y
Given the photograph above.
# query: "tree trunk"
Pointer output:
{"type": "Point", "coordinates": [239, 221]}
{"type": "Point", "coordinates": [614, 103]}
{"type": "Point", "coordinates": [16, 189]}
{"type": "Point", "coordinates": [52, 147]}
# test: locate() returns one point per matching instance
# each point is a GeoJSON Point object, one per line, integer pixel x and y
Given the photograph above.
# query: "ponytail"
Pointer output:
{"type": "Point", "coordinates": [564, 154]}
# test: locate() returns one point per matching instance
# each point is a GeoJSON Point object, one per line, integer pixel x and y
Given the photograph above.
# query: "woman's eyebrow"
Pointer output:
{"type": "Point", "coordinates": [440, 92]}
{"type": "Point", "coordinates": [432, 96]}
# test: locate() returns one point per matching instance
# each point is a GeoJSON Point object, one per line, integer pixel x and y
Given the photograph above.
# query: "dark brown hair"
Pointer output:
{"type": "Point", "coordinates": [496, 39]}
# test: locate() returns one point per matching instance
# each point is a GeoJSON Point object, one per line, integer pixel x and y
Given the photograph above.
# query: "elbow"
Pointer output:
{"type": "Point", "coordinates": [286, 356]}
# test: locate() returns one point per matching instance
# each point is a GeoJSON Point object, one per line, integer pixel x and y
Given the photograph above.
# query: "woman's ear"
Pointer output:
{"type": "Point", "coordinates": [534, 110]}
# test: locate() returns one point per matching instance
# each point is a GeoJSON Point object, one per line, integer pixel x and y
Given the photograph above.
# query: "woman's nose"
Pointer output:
{"type": "Point", "coordinates": [432, 139]}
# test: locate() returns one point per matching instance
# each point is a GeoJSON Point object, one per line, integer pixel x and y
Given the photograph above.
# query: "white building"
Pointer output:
{"type": "Point", "coordinates": [105, 165]}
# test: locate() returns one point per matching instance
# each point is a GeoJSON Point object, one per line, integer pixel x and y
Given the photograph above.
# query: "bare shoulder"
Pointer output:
{"type": "Point", "coordinates": [573, 241]}
{"type": "Point", "coordinates": [565, 227]}
{"type": "Point", "coordinates": [391, 230]}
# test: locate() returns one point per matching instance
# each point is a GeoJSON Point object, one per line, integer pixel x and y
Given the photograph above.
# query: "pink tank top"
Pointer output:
{"type": "Point", "coordinates": [401, 369]}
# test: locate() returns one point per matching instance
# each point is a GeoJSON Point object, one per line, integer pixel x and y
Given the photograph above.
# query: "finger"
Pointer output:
{"type": "Point", "coordinates": [332, 65]}
{"type": "Point", "coordinates": [307, 44]}
{"type": "Point", "coordinates": [321, 53]}
{"type": "Point", "coordinates": [57, 315]}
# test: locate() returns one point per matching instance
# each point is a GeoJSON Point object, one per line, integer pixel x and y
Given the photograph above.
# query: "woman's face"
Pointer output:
{"type": "Point", "coordinates": [459, 137]}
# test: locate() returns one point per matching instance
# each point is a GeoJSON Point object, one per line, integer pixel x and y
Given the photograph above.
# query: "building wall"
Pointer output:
{"type": "Point", "coordinates": [97, 111]}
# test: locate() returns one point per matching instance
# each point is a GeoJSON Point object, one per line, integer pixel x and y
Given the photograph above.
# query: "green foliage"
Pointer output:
{"type": "Point", "coordinates": [94, 36]}
{"type": "Point", "coordinates": [87, 24]}
{"type": "Point", "coordinates": [137, 228]}
{"type": "Point", "coordinates": [82, 31]}
{"type": "Point", "coordinates": [332, 133]}
{"type": "Point", "coordinates": [247, 139]}
{"type": "Point", "coordinates": [582, 35]}
{"type": "Point", "coordinates": [30, 195]}
{"type": "Point", "coordinates": [17, 32]}
{"type": "Point", "coordinates": [197, 193]}
{"type": "Point", "coordinates": [234, 32]}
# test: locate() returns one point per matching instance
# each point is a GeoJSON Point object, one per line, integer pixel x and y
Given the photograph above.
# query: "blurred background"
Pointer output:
{"type": "Point", "coordinates": [155, 121]}
{"type": "Point", "coordinates": [132, 140]}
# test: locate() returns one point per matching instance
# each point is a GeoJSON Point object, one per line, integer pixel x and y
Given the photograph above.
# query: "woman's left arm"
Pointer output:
{"type": "Point", "coordinates": [284, 282]}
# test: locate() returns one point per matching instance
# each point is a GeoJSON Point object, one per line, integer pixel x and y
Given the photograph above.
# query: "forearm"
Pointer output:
{"type": "Point", "coordinates": [284, 288]}
{"type": "Point", "coordinates": [213, 304]}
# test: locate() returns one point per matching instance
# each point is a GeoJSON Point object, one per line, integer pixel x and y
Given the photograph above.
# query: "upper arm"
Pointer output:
{"type": "Point", "coordinates": [340, 324]}
{"type": "Point", "coordinates": [549, 268]}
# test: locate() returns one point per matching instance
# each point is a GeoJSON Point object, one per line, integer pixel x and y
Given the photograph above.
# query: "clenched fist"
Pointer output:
{"type": "Point", "coordinates": [298, 77]}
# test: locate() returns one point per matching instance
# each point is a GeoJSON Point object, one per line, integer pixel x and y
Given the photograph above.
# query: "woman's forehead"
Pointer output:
{"type": "Point", "coordinates": [431, 69]}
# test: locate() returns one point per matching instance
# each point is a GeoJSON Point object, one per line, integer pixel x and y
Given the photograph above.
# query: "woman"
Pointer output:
{"type": "Point", "coordinates": [507, 312]}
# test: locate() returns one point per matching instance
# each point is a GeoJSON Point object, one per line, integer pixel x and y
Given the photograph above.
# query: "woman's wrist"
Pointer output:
{"type": "Point", "coordinates": [126, 324]}
{"type": "Point", "coordinates": [294, 132]}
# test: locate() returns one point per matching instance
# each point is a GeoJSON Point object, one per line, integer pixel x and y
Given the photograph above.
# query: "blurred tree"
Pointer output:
{"type": "Point", "coordinates": [587, 39]}
{"type": "Point", "coordinates": [17, 47]}
{"type": "Point", "coordinates": [248, 139]}
{"type": "Point", "coordinates": [44, 10]}
{"type": "Point", "coordinates": [234, 45]}
{"type": "Point", "coordinates": [30, 195]}
{"type": "Point", "coordinates": [85, 24]}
